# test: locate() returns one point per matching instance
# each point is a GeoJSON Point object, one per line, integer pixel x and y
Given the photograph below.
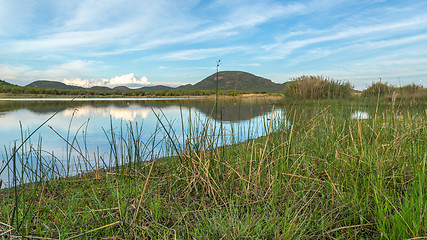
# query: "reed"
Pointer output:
{"type": "Point", "coordinates": [393, 93]}
{"type": "Point", "coordinates": [317, 87]}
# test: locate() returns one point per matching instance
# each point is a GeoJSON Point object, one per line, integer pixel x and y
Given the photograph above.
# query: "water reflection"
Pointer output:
{"type": "Point", "coordinates": [89, 125]}
{"type": "Point", "coordinates": [130, 113]}
{"type": "Point", "coordinates": [234, 110]}
{"type": "Point", "coordinates": [360, 115]}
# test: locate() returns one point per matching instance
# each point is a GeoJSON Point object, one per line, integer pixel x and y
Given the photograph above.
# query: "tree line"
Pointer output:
{"type": "Point", "coordinates": [18, 90]}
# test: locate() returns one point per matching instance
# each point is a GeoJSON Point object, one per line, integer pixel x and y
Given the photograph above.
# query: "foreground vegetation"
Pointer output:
{"type": "Point", "coordinates": [319, 173]}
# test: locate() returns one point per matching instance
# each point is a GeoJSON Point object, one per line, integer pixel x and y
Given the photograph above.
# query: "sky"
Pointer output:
{"type": "Point", "coordinates": [169, 42]}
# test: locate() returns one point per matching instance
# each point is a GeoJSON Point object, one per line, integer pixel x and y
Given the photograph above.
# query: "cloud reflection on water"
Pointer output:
{"type": "Point", "coordinates": [130, 113]}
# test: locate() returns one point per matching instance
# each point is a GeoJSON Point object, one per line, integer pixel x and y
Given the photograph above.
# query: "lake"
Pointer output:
{"type": "Point", "coordinates": [84, 134]}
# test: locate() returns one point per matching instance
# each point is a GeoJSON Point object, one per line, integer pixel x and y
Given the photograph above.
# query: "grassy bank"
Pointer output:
{"type": "Point", "coordinates": [321, 174]}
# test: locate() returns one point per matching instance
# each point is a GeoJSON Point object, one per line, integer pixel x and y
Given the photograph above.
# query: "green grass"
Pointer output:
{"type": "Point", "coordinates": [325, 176]}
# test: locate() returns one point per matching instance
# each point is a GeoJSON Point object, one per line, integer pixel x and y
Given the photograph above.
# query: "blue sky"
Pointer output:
{"type": "Point", "coordinates": [171, 42]}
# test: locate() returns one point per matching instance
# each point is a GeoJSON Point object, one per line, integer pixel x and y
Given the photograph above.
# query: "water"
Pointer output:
{"type": "Point", "coordinates": [78, 137]}
{"type": "Point", "coordinates": [360, 115]}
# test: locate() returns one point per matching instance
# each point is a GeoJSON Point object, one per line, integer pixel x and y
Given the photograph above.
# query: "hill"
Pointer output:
{"type": "Point", "coordinates": [6, 84]}
{"type": "Point", "coordinates": [100, 88]}
{"type": "Point", "coordinates": [121, 88]}
{"type": "Point", "coordinates": [236, 80]}
{"type": "Point", "coordinates": [227, 81]}
{"type": "Point", "coordinates": [6, 87]}
{"type": "Point", "coordinates": [52, 85]}
{"type": "Point", "coordinates": [45, 84]}
{"type": "Point", "coordinates": [156, 88]}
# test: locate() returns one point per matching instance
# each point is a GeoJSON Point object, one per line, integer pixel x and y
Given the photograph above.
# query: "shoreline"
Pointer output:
{"type": "Point", "coordinates": [44, 97]}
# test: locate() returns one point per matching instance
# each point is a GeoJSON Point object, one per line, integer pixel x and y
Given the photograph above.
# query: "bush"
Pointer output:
{"type": "Point", "coordinates": [378, 88]}
{"type": "Point", "coordinates": [317, 87]}
{"type": "Point", "coordinates": [411, 89]}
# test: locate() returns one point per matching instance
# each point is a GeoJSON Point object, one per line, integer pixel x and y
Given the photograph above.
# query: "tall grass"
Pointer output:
{"type": "Point", "coordinates": [316, 174]}
{"type": "Point", "coordinates": [317, 87]}
{"type": "Point", "coordinates": [406, 92]}
{"type": "Point", "coordinates": [378, 88]}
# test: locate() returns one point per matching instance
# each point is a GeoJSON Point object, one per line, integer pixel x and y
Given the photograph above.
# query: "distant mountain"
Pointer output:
{"type": "Point", "coordinates": [52, 85]}
{"type": "Point", "coordinates": [227, 80]}
{"type": "Point", "coordinates": [121, 88]}
{"type": "Point", "coordinates": [100, 88]}
{"type": "Point", "coordinates": [4, 83]}
{"type": "Point", "coordinates": [236, 80]}
{"type": "Point", "coordinates": [46, 84]}
{"type": "Point", "coordinates": [156, 88]}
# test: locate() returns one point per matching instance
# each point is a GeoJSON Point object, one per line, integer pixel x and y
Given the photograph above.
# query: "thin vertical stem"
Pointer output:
{"type": "Point", "coordinates": [217, 80]}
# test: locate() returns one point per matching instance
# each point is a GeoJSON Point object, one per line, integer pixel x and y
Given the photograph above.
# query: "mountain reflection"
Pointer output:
{"type": "Point", "coordinates": [233, 110]}
{"type": "Point", "coordinates": [129, 110]}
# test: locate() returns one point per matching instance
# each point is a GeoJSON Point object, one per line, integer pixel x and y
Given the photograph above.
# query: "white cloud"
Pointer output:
{"type": "Point", "coordinates": [81, 82]}
{"type": "Point", "coordinates": [129, 80]}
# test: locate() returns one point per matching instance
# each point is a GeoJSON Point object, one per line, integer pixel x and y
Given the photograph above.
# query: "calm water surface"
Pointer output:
{"type": "Point", "coordinates": [88, 124]}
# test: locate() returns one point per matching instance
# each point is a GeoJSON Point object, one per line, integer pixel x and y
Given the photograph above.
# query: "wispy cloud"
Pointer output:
{"type": "Point", "coordinates": [91, 39]}
{"type": "Point", "coordinates": [111, 24]}
{"type": "Point", "coordinates": [25, 73]}
{"type": "Point", "coordinates": [197, 54]}
{"type": "Point", "coordinates": [352, 35]}
{"type": "Point", "coordinates": [16, 17]}
{"type": "Point", "coordinates": [116, 27]}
